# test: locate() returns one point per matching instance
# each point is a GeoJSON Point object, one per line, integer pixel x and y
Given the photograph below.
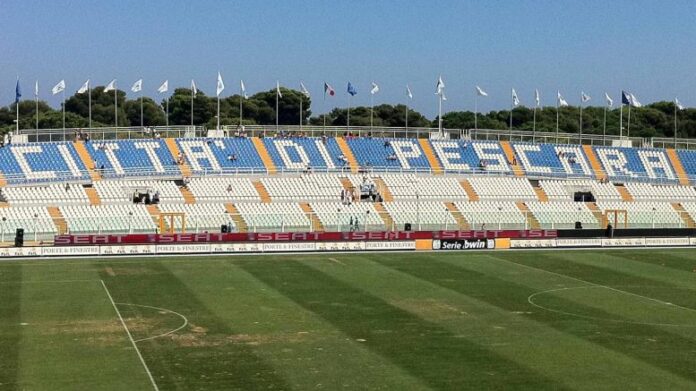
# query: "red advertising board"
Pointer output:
{"type": "Point", "coordinates": [88, 239]}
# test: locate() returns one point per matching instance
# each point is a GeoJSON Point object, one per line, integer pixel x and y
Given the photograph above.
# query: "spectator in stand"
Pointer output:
{"type": "Point", "coordinates": [232, 157]}
{"type": "Point", "coordinates": [392, 157]}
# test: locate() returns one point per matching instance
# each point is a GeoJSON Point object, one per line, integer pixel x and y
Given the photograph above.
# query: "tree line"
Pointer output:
{"type": "Point", "coordinates": [653, 120]}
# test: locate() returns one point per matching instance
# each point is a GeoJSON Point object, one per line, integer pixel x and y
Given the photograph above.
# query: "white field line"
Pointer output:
{"type": "Point", "coordinates": [159, 309]}
{"type": "Point", "coordinates": [594, 284]}
{"type": "Point", "coordinates": [140, 356]}
{"type": "Point", "coordinates": [46, 281]}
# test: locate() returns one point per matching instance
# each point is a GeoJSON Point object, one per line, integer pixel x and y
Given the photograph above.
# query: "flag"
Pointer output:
{"type": "Point", "coordinates": [678, 104]}
{"type": "Point", "coordinates": [515, 99]}
{"type": "Point", "coordinates": [440, 87]}
{"type": "Point", "coordinates": [481, 92]}
{"type": "Point", "coordinates": [408, 92]}
{"type": "Point", "coordinates": [351, 89]}
{"type": "Point", "coordinates": [610, 102]}
{"type": "Point", "coordinates": [303, 89]}
{"type": "Point", "coordinates": [58, 88]}
{"type": "Point", "coordinates": [109, 87]}
{"type": "Point", "coordinates": [328, 89]}
{"type": "Point", "coordinates": [280, 95]}
{"type": "Point", "coordinates": [36, 89]}
{"type": "Point", "coordinates": [164, 87]}
{"type": "Point", "coordinates": [220, 85]}
{"type": "Point", "coordinates": [194, 90]}
{"type": "Point", "coordinates": [137, 86]}
{"type": "Point", "coordinates": [375, 88]}
{"type": "Point", "coordinates": [84, 88]}
{"type": "Point", "coordinates": [584, 97]}
{"type": "Point", "coordinates": [537, 98]}
{"type": "Point", "coordinates": [561, 102]}
{"type": "Point", "coordinates": [635, 102]}
{"type": "Point", "coordinates": [243, 89]}
{"type": "Point", "coordinates": [18, 92]}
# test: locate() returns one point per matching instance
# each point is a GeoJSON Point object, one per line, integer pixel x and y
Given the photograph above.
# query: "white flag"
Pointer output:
{"type": "Point", "coordinates": [220, 84]}
{"type": "Point", "coordinates": [443, 95]}
{"type": "Point", "coordinates": [610, 102]}
{"type": "Point", "coordinates": [481, 92]}
{"type": "Point", "coordinates": [561, 102]}
{"type": "Point", "coordinates": [635, 101]}
{"type": "Point", "coordinates": [440, 87]}
{"type": "Point", "coordinates": [84, 88]}
{"type": "Point", "coordinates": [375, 88]}
{"type": "Point", "coordinates": [137, 86]}
{"type": "Point", "coordinates": [537, 98]}
{"type": "Point", "coordinates": [280, 95]}
{"type": "Point", "coordinates": [164, 87]}
{"type": "Point", "coordinates": [584, 97]}
{"type": "Point", "coordinates": [58, 88]}
{"type": "Point", "coordinates": [241, 86]}
{"type": "Point", "coordinates": [515, 99]}
{"type": "Point", "coordinates": [678, 104]}
{"type": "Point", "coordinates": [111, 86]}
{"type": "Point", "coordinates": [303, 89]}
{"type": "Point", "coordinates": [36, 89]}
{"type": "Point", "coordinates": [194, 90]}
{"type": "Point", "coordinates": [408, 92]}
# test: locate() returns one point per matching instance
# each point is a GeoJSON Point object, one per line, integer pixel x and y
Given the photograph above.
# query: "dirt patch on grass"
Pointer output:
{"type": "Point", "coordinates": [430, 308]}
{"type": "Point", "coordinates": [198, 339]}
{"type": "Point", "coordinates": [129, 271]}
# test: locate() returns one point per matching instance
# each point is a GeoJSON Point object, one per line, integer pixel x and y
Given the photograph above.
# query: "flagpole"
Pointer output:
{"type": "Point", "coordinates": [406, 114]}
{"type": "Point", "coordinates": [115, 105]}
{"type": "Point", "coordinates": [324, 108]}
{"type": "Point", "coordinates": [534, 124]}
{"type": "Point", "coordinates": [558, 108]}
{"type": "Point", "coordinates": [350, 102]}
{"type": "Point", "coordinates": [17, 104]}
{"type": "Point", "coordinates": [675, 125]}
{"type": "Point", "coordinates": [218, 112]}
{"type": "Point", "coordinates": [628, 127]}
{"type": "Point", "coordinates": [476, 111]}
{"type": "Point", "coordinates": [372, 108]}
{"type": "Point", "coordinates": [277, 90]}
{"type": "Point", "coordinates": [36, 98]}
{"type": "Point", "coordinates": [142, 121]}
{"type": "Point", "coordinates": [512, 106]}
{"type": "Point", "coordinates": [621, 118]}
{"type": "Point", "coordinates": [166, 105]}
{"type": "Point", "coordinates": [604, 130]}
{"type": "Point", "coordinates": [580, 120]}
{"type": "Point", "coordinates": [89, 103]}
{"type": "Point", "coordinates": [439, 116]}
{"type": "Point", "coordinates": [192, 105]}
{"type": "Point", "coordinates": [63, 114]}
{"type": "Point", "coordinates": [301, 113]}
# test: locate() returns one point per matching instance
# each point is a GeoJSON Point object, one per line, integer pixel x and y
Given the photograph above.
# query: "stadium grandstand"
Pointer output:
{"type": "Point", "coordinates": [184, 179]}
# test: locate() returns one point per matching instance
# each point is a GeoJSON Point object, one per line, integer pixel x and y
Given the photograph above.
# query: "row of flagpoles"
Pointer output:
{"type": "Point", "coordinates": [626, 99]}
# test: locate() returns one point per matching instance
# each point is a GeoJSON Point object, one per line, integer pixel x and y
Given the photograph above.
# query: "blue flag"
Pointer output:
{"type": "Point", "coordinates": [18, 92]}
{"type": "Point", "coordinates": [626, 98]}
{"type": "Point", "coordinates": [351, 90]}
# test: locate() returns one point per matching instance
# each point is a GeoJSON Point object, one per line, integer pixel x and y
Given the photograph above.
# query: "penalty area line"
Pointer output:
{"type": "Point", "coordinates": [130, 337]}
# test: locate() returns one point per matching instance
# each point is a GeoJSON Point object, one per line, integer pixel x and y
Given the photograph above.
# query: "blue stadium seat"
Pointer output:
{"type": "Point", "coordinates": [213, 155]}
{"type": "Point", "coordinates": [132, 158]}
{"type": "Point", "coordinates": [299, 152]}
{"type": "Point", "coordinates": [41, 162]}
{"type": "Point", "coordinates": [375, 152]}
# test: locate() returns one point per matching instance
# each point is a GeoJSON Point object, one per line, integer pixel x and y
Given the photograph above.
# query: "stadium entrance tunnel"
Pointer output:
{"type": "Point", "coordinates": [619, 304]}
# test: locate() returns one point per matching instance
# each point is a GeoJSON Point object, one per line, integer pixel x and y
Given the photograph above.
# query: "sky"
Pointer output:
{"type": "Point", "coordinates": [645, 47]}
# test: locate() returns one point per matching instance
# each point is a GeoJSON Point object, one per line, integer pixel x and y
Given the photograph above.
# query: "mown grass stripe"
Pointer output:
{"type": "Point", "coordinates": [10, 328]}
{"type": "Point", "coordinates": [633, 340]}
{"type": "Point", "coordinates": [423, 348]}
{"type": "Point", "coordinates": [187, 362]}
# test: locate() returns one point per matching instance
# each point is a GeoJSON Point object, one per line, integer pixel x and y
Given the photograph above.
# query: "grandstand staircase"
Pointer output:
{"type": "Point", "coordinates": [430, 155]}
{"type": "Point", "coordinates": [458, 216]}
{"type": "Point", "coordinates": [384, 215]}
{"type": "Point", "coordinates": [317, 226]}
{"type": "Point", "coordinates": [264, 155]}
{"type": "Point", "coordinates": [685, 216]}
{"type": "Point", "coordinates": [510, 155]}
{"type": "Point", "coordinates": [347, 184]}
{"type": "Point", "coordinates": [678, 168]}
{"type": "Point", "coordinates": [594, 162]}
{"type": "Point", "coordinates": [155, 213]}
{"type": "Point", "coordinates": [596, 212]}
{"type": "Point", "coordinates": [541, 194]}
{"type": "Point", "coordinates": [58, 219]}
{"type": "Point", "coordinates": [623, 192]}
{"type": "Point", "coordinates": [187, 194]}
{"type": "Point", "coordinates": [383, 190]}
{"type": "Point", "coordinates": [87, 160]}
{"type": "Point", "coordinates": [470, 192]}
{"type": "Point", "coordinates": [237, 218]}
{"type": "Point", "coordinates": [263, 193]}
{"type": "Point", "coordinates": [532, 222]}
{"type": "Point", "coordinates": [345, 150]}
{"type": "Point", "coordinates": [174, 150]}
{"type": "Point", "coordinates": [92, 195]}
{"type": "Point", "coordinates": [3, 181]}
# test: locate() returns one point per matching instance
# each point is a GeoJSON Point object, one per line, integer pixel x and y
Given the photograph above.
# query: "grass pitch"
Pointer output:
{"type": "Point", "coordinates": [476, 320]}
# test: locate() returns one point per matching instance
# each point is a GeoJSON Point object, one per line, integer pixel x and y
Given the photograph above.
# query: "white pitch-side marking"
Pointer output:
{"type": "Point", "coordinates": [140, 356]}
{"type": "Point", "coordinates": [160, 309]}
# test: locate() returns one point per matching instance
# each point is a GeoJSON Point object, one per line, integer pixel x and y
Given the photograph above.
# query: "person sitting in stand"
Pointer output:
{"type": "Point", "coordinates": [232, 157]}
{"type": "Point", "coordinates": [392, 157]}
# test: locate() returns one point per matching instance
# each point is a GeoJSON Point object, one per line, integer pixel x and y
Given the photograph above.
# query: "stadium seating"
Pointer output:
{"type": "Point", "coordinates": [275, 216]}
{"type": "Point", "coordinates": [650, 192]}
{"type": "Point", "coordinates": [200, 217]}
{"type": "Point", "coordinates": [34, 220]}
{"type": "Point", "coordinates": [422, 215]}
{"type": "Point", "coordinates": [560, 215]}
{"type": "Point", "coordinates": [298, 153]}
{"type": "Point", "coordinates": [506, 188]}
{"type": "Point", "coordinates": [310, 187]}
{"type": "Point", "coordinates": [58, 194]}
{"type": "Point", "coordinates": [337, 217]}
{"type": "Point", "coordinates": [114, 191]}
{"type": "Point", "coordinates": [132, 158]}
{"type": "Point", "coordinates": [645, 214]}
{"type": "Point", "coordinates": [404, 186]}
{"type": "Point", "coordinates": [563, 190]}
{"type": "Point", "coordinates": [223, 188]}
{"type": "Point", "coordinates": [117, 218]}
{"type": "Point", "coordinates": [492, 214]}
{"type": "Point", "coordinates": [41, 163]}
